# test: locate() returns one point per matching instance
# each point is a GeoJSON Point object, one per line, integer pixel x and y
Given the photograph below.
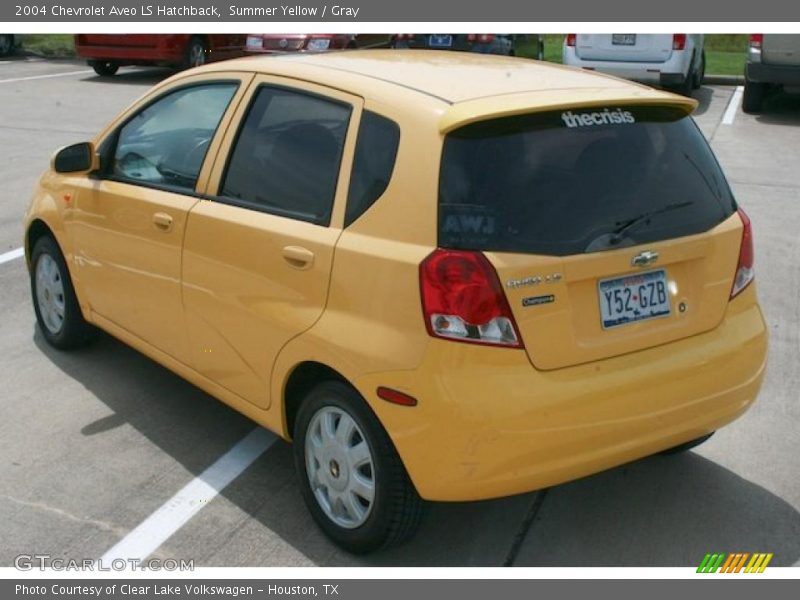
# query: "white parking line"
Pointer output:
{"type": "Point", "coordinates": [733, 106]}
{"type": "Point", "coordinates": [11, 255]}
{"type": "Point", "coordinates": [50, 76]}
{"type": "Point", "coordinates": [175, 512]}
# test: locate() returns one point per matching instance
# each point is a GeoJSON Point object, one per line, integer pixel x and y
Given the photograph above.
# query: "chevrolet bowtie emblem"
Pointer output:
{"type": "Point", "coordinates": [644, 258]}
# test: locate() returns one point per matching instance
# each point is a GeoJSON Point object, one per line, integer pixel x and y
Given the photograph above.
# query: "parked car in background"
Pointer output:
{"type": "Point", "coordinates": [450, 279]}
{"type": "Point", "coordinates": [106, 53]}
{"type": "Point", "coordinates": [773, 62]}
{"type": "Point", "coordinates": [279, 43]}
{"type": "Point", "coordinates": [671, 60]}
{"type": "Point", "coordinates": [484, 43]}
{"type": "Point", "coordinates": [8, 42]}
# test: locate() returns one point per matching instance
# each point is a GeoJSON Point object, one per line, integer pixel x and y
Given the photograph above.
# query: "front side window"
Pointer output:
{"type": "Point", "coordinates": [287, 155]}
{"type": "Point", "coordinates": [165, 143]}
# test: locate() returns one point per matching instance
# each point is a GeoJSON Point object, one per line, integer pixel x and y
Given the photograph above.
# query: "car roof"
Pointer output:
{"type": "Point", "coordinates": [473, 85]}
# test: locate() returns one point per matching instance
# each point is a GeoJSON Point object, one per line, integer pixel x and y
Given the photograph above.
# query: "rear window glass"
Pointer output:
{"type": "Point", "coordinates": [579, 181]}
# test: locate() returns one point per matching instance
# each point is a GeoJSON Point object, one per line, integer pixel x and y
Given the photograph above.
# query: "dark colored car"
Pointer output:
{"type": "Point", "coordinates": [106, 53]}
{"type": "Point", "coordinates": [278, 43]}
{"type": "Point", "coordinates": [7, 43]}
{"type": "Point", "coordinates": [484, 43]}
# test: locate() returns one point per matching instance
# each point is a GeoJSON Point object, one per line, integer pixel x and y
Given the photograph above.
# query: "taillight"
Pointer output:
{"type": "Point", "coordinates": [571, 39]}
{"type": "Point", "coordinates": [744, 269]}
{"type": "Point", "coordinates": [678, 41]}
{"type": "Point", "coordinates": [756, 40]}
{"type": "Point", "coordinates": [481, 38]}
{"type": "Point", "coordinates": [462, 299]}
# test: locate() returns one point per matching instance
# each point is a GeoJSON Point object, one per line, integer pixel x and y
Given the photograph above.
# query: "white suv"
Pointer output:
{"type": "Point", "coordinates": [675, 60]}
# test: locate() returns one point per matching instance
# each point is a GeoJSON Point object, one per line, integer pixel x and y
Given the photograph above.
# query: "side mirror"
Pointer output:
{"type": "Point", "coordinates": [77, 158]}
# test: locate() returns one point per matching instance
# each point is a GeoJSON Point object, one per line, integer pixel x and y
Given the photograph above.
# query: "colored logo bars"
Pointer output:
{"type": "Point", "coordinates": [734, 563]}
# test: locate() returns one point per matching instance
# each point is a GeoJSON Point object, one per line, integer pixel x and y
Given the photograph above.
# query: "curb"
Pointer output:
{"type": "Point", "coordinates": [724, 80]}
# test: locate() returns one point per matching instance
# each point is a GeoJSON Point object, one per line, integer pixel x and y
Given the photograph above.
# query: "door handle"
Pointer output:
{"type": "Point", "coordinates": [298, 257]}
{"type": "Point", "coordinates": [163, 221]}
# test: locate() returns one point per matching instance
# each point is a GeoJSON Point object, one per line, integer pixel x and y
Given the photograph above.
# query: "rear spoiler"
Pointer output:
{"type": "Point", "coordinates": [493, 107]}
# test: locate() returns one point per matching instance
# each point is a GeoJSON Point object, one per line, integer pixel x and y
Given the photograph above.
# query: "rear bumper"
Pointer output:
{"type": "Point", "coordinates": [776, 74]}
{"type": "Point", "coordinates": [488, 425]}
{"type": "Point", "coordinates": [133, 55]}
{"type": "Point", "coordinates": [673, 71]}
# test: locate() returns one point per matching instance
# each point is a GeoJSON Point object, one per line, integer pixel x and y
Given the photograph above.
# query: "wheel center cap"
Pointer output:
{"type": "Point", "coordinates": [334, 468]}
{"type": "Point", "coordinates": [47, 294]}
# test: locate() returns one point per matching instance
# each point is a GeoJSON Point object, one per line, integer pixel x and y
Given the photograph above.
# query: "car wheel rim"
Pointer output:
{"type": "Point", "coordinates": [340, 467]}
{"type": "Point", "coordinates": [50, 293]}
{"type": "Point", "coordinates": [198, 55]}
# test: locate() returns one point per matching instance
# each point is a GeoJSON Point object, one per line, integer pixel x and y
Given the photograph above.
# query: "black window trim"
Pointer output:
{"type": "Point", "coordinates": [258, 207]}
{"type": "Point", "coordinates": [106, 161]}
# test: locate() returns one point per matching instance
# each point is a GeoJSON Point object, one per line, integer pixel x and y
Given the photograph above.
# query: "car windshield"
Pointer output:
{"type": "Point", "coordinates": [578, 181]}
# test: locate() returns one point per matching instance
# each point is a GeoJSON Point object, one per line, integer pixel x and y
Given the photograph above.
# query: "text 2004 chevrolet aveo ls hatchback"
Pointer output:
{"type": "Point", "coordinates": [443, 277]}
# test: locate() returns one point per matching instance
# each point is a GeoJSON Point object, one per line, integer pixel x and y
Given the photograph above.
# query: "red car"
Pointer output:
{"type": "Point", "coordinates": [108, 52]}
{"type": "Point", "coordinates": [276, 43]}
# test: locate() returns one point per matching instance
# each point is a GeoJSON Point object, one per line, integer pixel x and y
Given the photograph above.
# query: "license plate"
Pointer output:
{"type": "Point", "coordinates": [633, 298]}
{"type": "Point", "coordinates": [623, 39]}
{"type": "Point", "coordinates": [440, 41]}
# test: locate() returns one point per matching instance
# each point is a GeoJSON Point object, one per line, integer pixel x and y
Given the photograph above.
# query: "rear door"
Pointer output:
{"type": "Point", "coordinates": [258, 252]}
{"type": "Point", "coordinates": [624, 47]}
{"type": "Point", "coordinates": [612, 230]}
{"type": "Point", "coordinates": [781, 49]}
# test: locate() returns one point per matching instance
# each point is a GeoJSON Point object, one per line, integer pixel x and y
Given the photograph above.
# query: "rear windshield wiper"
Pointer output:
{"type": "Point", "coordinates": [624, 227]}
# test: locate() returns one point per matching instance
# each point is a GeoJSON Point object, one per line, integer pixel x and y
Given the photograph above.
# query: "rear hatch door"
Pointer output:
{"type": "Point", "coordinates": [624, 47]}
{"type": "Point", "coordinates": [611, 229]}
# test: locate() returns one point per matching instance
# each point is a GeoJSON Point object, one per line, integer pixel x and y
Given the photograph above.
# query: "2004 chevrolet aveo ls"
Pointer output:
{"type": "Point", "coordinates": [443, 277]}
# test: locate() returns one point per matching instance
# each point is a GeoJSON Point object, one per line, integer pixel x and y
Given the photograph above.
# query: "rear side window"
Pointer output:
{"type": "Point", "coordinates": [376, 151]}
{"type": "Point", "coordinates": [287, 155]}
{"type": "Point", "coordinates": [579, 181]}
{"type": "Point", "coordinates": [165, 143]}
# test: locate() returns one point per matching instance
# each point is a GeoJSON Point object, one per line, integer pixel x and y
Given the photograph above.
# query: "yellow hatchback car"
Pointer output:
{"type": "Point", "coordinates": [442, 276]}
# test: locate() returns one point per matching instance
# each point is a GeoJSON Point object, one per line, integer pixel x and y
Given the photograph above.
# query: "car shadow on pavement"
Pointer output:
{"type": "Point", "coordinates": [704, 96]}
{"type": "Point", "coordinates": [780, 109]}
{"type": "Point", "coordinates": [660, 511]}
{"type": "Point", "coordinates": [133, 76]}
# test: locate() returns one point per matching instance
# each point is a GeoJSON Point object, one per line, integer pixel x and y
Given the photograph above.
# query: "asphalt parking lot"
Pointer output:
{"type": "Point", "coordinates": [92, 443]}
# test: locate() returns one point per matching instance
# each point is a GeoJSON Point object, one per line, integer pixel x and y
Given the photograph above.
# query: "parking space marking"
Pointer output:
{"type": "Point", "coordinates": [176, 512]}
{"type": "Point", "coordinates": [733, 106]}
{"type": "Point", "coordinates": [49, 76]}
{"type": "Point", "coordinates": [12, 255]}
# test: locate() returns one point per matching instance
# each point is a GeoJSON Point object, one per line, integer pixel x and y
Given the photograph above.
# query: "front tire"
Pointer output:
{"type": "Point", "coordinates": [105, 68]}
{"type": "Point", "coordinates": [57, 311]}
{"type": "Point", "coordinates": [351, 478]}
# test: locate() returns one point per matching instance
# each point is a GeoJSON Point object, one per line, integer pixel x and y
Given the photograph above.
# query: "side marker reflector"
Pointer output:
{"type": "Point", "coordinates": [396, 397]}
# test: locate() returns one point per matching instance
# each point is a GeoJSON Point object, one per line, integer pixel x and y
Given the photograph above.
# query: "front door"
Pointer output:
{"type": "Point", "coordinates": [129, 222]}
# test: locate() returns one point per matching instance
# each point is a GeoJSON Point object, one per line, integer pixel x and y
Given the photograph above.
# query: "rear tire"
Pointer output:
{"type": "Point", "coordinates": [686, 446]}
{"type": "Point", "coordinates": [105, 68]}
{"type": "Point", "coordinates": [58, 313]}
{"type": "Point", "coordinates": [700, 73]}
{"type": "Point", "coordinates": [351, 477]}
{"type": "Point", "coordinates": [195, 53]}
{"type": "Point", "coordinates": [753, 98]}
